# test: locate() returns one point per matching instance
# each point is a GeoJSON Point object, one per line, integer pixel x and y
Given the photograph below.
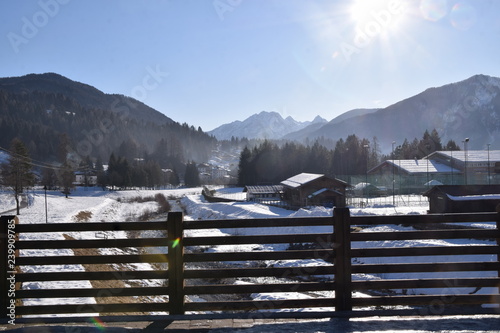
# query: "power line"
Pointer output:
{"type": "Point", "coordinates": [32, 161]}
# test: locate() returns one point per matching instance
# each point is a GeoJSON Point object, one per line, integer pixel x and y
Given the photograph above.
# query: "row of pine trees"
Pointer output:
{"type": "Point", "coordinates": [270, 163]}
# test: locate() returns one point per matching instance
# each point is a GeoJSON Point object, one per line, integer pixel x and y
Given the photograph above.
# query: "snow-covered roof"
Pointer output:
{"type": "Point", "coordinates": [422, 166]}
{"type": "Point", "coordinates": [433, 183]}
{"type": "Point", "coordinates": [360, 186]}
{"type": "Point", "coordinates": [263, 189]}
{"type": "Point", "coordinates": [318, 192]}
{"type": "Point", "coordinates": [300, 179]}
{"type": "Point", "coordinates": [474, 197]}
{"type": "Point", "coordinates": [472, 155]}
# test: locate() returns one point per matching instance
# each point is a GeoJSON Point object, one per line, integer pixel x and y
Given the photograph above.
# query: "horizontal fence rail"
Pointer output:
{"type": "Point", "coordinates": [352, 265]}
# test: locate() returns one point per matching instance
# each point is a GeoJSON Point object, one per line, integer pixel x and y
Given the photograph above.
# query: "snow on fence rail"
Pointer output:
{"type": "Point", "coordinates": [342, 272]}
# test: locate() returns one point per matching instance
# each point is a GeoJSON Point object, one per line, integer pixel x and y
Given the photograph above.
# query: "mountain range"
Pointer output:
{"type": "Point", "coordinates": [39, 108]}
{"type": "Point", "coordinates": [465, 109]}
{"type": "Point", "coordinates": [265, 125]}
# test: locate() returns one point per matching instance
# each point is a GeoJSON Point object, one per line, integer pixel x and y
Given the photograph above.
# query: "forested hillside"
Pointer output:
{"type": "Point", "coordinates": [40, 109]}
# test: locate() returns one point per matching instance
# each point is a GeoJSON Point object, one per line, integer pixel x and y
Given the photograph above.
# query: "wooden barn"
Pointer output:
{"type": "Point", "coordinates": [463, 198]}
{"type": "Point", "coordinates": [309, 189]}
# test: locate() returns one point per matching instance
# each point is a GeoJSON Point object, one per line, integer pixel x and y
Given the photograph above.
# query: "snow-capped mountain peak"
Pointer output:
{"type": "Point", "coordinates": [264, 125]}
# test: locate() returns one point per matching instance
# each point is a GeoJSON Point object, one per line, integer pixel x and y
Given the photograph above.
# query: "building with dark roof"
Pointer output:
{"type": "Point", "coordinates": [309, 189]}
{"type": "Point", "coordinates": [463, 198]}
{"type": "Point", "coordinates": [264, 193]}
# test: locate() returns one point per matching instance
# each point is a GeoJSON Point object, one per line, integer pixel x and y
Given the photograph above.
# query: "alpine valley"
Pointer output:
{"type": "Point", "coordinates": [469, 108]}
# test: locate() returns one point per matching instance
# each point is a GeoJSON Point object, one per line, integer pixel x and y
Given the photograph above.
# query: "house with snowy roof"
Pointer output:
{"type": "Point", "coordinates": [414, 167]}
{"type": "Point", "coordinates": [310, 189]}
{"type": "Point", "coordinates": [463, 198]}
{"type": "Point", "coordinates": [411, 176]}
{"type": "Point", "coordinates": [476, 165]}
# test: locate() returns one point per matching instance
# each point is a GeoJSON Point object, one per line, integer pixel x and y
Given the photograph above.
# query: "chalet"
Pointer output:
{"type": "Point", "coordinates": [309, 189]}
{"type": "Point", "coordinates": [463, 198]}
{"type": "Point", "coordinates": [264, 193]}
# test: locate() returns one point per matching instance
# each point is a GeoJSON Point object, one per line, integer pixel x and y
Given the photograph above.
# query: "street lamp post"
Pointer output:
{"type": "Point", "coordinates": [393, 168]}
{"type": "Point", "coordinates": [46, 215]}
{"type": "Point", "coordinates": [465, 159]}
{"type": "Point", "coordinates": [366, 178]}
{"type": "Point", "coordinates": [451, 165]}
{"type": "Point", "coordinates": [489, 177]}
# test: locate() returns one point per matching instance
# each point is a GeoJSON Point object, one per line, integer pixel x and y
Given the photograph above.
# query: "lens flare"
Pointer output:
{"type": "Point", "coordinates": [433, 10]}
{"type": "Point", "coordinates": [463, 16]}
{"type": "Point", "coordinates": [176, 242]}
{"type": "Point", "coordinates": [98, 323]}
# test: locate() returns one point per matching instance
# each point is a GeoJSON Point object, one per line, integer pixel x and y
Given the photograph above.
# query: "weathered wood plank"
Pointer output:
{"type": "Point", "coordinates": [258, 288]}
{"type": "Point", "coordinates": [91, 292]}
{"type": "Point", "coordinates": [425, 267]}
{"type": "Point", "coordinates": [176, 262]}
{"type": "Point", "coordinates": [426, 283]}
{"type": "Point", "coordinates": [257, 255]}
{"type": "Point", "coordinates": [442, 300]}
{"type": "Point", "coordinates": [104, 259]}
{"type": "Point", "coordinates": [72, 276]}
{"type": "Point", "coordinates": [424, 219]}
{"type": "Point", "coordinates": [282, 272]}
{"type": "Point", "coordinates": [258, 223]}
{"type": "Point", "coordinates": [264, 239]}
{"type": "Point", "coordinates": [427, 234]}
{"type": "Point", "coordinates": [91, 226]}
{"type": "Point", "coordinates": [91, 308]}
{"type": "Point", "coordinates": [260, 305]}
{"type": "Point", "coordinates": [424, 251]}
{"type": "Point", "coordinates": [342, 244]}
{"type": "Point", "coordinates": [92, 243]}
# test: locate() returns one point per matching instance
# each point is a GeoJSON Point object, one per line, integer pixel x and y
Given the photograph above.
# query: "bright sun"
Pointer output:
{"type": "Point", "coordinates": [384, 13]}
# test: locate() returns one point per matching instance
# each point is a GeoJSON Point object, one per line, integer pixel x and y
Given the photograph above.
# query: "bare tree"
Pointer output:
{"type": "Point", "coordinates": [16, 173]}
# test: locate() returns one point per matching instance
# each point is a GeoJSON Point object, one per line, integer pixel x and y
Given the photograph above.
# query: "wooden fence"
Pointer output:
{"type": "Point", "coordinates": [186, 274]}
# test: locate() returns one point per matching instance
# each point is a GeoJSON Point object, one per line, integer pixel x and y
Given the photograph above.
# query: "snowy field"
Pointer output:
{"type": "Point", "coordinates": [113, 206]}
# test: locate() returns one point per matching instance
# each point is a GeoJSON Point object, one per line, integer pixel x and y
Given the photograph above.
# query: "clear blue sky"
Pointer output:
{"type": "Point", "coordinates": [209, 62]}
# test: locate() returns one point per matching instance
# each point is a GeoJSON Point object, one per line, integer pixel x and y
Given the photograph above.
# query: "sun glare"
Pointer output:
{"type": "Point", "coordinates": [377, 14]}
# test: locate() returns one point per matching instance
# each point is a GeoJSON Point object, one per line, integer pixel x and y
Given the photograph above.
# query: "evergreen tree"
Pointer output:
{"type": "Point", "coordinates": [451, 145]}
{"type": "Point", "coordinates": [67, 178]}
{"type": "Point", "coordinates": [173, 178]}
{"type": "Point", "coordinates": [244, 168]}
{"type": "Point", "coordinates": [16, 173]}
{"type": "Point", "coordinates": [192, 176]}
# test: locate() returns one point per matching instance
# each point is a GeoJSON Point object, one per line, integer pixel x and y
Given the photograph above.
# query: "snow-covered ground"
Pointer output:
{"type": "Point", "coordinates": [100, 206]}
{"type": "Point", "coordinates": [113, 206]}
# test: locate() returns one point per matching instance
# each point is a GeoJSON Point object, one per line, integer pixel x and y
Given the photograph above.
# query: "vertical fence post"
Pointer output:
{"type": "Point", "coordinates": [175, 262]}
{"type": "Point", "coordinates": [498, 250]}
{"type": "Point", "coordinates": [342, 261]}
{"type": "Point", "coordinates": [8, 238]}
